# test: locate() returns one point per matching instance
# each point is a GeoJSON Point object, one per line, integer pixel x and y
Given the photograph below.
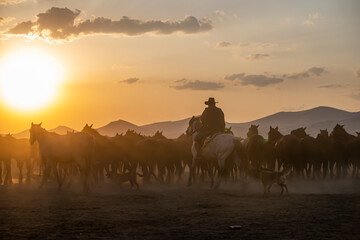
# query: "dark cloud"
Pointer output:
{"type": "Point", "coordinates": [223, 44]}
{"type": "Point", "coordinates": [331, 86]}
{"type": "Point", "coordinates": [183, 84]}
{"type": "Point", "coordinates": [6, 2]}
{"type": "Point", "coordinates": [22, 28]}
{"type": "Point", "coordinates": [255, 80]}
{"type": "Point", "coordinates": [59, 24]}
{"type": "Point", "coordinates": [260, 80]}
{"type": "Point", "coordinates": [317, 71]}
{"type": "Point", "coordinates": [298, 75]}
{"type": "Point", "coordinates": [256, 57]}
{"type": "Point", "coordinates": [129, 80]}
{"type": "Point", "coordinates": [314, 71]}
{"type": "Point", "coordinates": [236, 76]}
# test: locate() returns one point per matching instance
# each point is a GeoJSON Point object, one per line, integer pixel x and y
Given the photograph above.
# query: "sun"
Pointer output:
{"type": "Point", "coordinates": [29, 79]}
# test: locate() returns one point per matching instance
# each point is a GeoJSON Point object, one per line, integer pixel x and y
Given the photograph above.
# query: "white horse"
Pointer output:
{"type": "Point", "coordinates": [222, 147]}
{"type": "Point", "coordinates": [76, 148]}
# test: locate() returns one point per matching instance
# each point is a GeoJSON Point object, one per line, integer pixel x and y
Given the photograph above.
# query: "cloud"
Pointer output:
{"type": "Point", "coordinates": [255, 80]}
{"type": "Point", "coordinates": [12, 2]}
{"type": "Point", "coordinates": [129, 80]}
{"type": "Point", "coordinates": [312, 18]}
{"type": "Point", "coordinates": [223, 44]}
{"type": "Point", "coordinates": [233, 77]}
{"type": "Point", "coordinates": [260, 80]}
{"type": "Point", "coordinates": [256, 57]}
{"type": "Point", "coordinates": [317, 71]}
{"type": "Point", "coordinates": [5, 20]}
{"type": "Point", "coordinates": [314, 71]}
{"type": "Point", "coordinates": [331, 86]}
{"type": "Point", "coordinates": [22, 28]}
{"type": "Point", "coordinates": [219, 12]}
{"type": "Point", "coordinates": [184, 84]}
{"type": "Point", "coordinates": [63, 24]}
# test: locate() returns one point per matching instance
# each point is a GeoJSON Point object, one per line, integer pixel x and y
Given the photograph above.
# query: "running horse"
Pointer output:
{"type": "Point", "coordinates": [218, 148]}
{"type": "Point", "coordinates": [75, 148]}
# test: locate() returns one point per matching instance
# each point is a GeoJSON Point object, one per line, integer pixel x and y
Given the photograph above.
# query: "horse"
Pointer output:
{"type": "Point", "coordinates": [109, 151]}
{"type": "Point", "coordinates": [76, 148]}
{"type": "Point", "coordinates": [308, 154]}
{"type": "Point", "coordinates": [23, 152]}
{"type": "Point", "coordinates": [273, 136]}
{"type": "Point", "coordinates": [340, 154]}
{"type": "Point", "coordinates": [323, 143]}
{"type": "Point", "coordinates": [255, 147]}
{"type": "Point", "coordinates": [5, 159]}
{"type": "Point", "coordinates": [217, 148]}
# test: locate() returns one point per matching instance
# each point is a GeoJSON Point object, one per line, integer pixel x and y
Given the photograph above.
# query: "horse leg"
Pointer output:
{"type": "Point", "coordinates": [191, 178]}
{"type": "Point", "coordinates": [56, 174]}
{"type": "Point", "coordinates": [20, 165]}
{"type": "Point", "coordinates": [8, 176]}
{"type": "Point", "coordinates": [1, 171]}
{"type": "Point", "coordinates": [28, 169]}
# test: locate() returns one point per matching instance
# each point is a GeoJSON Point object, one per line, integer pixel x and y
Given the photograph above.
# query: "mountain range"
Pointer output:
{"type": "Point", "coordinates": [313, 119]}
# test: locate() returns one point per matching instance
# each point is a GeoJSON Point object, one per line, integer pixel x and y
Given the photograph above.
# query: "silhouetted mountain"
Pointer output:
{"type": "Point", "coordinates": [59, 130]}
{"type": "Point", "coordinates": [119, 127]}
{"type": "Point", "coordinates": [313, 119]}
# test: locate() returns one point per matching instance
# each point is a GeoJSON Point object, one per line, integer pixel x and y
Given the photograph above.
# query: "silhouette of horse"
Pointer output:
{"type": "Point", "coordinates": [216, 150]}
{"type": "Point", "coordinates": [76, 148]}
{"type": "Point", "coordinates": [287, 150]}
{"type": "Point", "coordinates": [340, 154]}
{"type": "Point", "coordinates": [308, 154]}
{"type": "Point", "coordinates": [108, 152]}
{"type": "Point", "coordinates": [255, 147]}
{"type": "Point", "coordinates": [5, 159]}
{"type": "Point", "coordinates": [273, 136]}
{"type": "Point", "coordinates": [323, 142]}
{"type": "Point", "coordinates": [22, 151]}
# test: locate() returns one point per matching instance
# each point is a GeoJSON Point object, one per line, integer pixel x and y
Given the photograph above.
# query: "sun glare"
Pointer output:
{"type": "Point", "coordinates": [29, 79]}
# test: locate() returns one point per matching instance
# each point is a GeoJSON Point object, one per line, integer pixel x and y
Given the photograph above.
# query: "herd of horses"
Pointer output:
{"type": "Point", "coordinates": [90, 157]}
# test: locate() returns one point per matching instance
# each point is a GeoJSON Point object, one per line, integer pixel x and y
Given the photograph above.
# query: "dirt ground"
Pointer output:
{"type": "Point", "coordinates": [312, 210]}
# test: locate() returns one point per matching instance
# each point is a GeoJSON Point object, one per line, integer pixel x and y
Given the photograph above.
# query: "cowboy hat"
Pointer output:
{"type": "Point", "coordinates": [210, 101]}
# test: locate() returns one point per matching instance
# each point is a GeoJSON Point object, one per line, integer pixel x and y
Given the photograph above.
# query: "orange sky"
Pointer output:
{"type": "Point", "coordinates": [164, 59]}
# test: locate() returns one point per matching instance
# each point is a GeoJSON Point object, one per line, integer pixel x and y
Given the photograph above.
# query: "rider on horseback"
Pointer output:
{"type": "Point", "coordinates": [212, 120]}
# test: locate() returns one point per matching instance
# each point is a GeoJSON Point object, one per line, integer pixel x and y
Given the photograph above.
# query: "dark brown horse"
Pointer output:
{"type": "Point", "coordinates": [323, 142]}
{"type": "Point", "coordinates": [255, 147]}
{"type": "Point", "coordinates": [341, 152]}
{"type": "Point", "coordinates": [308, 154]}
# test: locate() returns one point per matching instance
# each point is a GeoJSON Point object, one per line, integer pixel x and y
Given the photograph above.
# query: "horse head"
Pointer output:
{"type": "Point", "coordinates": [274, 134]}
{"type": "Point", "coordinates": [300, 132]}
{"type": "Point", "coordinates": [194, 125]}
{"type": "Point", "coordinates": [89, 130]}
{"type": "Point", "coordinates": [35, 131]}
{"type": "Point", "coordinates": [339, 132]}
{"type": "Point", "coordinates": [253, 130]}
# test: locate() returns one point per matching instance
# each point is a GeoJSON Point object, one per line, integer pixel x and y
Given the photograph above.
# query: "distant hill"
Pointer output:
{"type": "Point", "coordinates": [313, 119]}
{"type": "Point", "coordinates": [59, 130]}
{"type": "Point", "coordinates": [119, 126]}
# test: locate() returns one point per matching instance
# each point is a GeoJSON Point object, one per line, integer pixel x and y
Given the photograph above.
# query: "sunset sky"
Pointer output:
{"type": "Point", "coordinates": [148, 61]}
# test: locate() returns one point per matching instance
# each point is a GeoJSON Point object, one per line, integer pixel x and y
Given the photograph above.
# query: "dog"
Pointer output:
{"type": "Point", "coordinates": [269, 177]}
{"type": "Point", "coordinates": [129, 176]}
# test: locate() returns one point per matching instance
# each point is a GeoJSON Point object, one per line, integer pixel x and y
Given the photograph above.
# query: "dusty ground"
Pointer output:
{"type": "Point", "coordinates": [312, 210]}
